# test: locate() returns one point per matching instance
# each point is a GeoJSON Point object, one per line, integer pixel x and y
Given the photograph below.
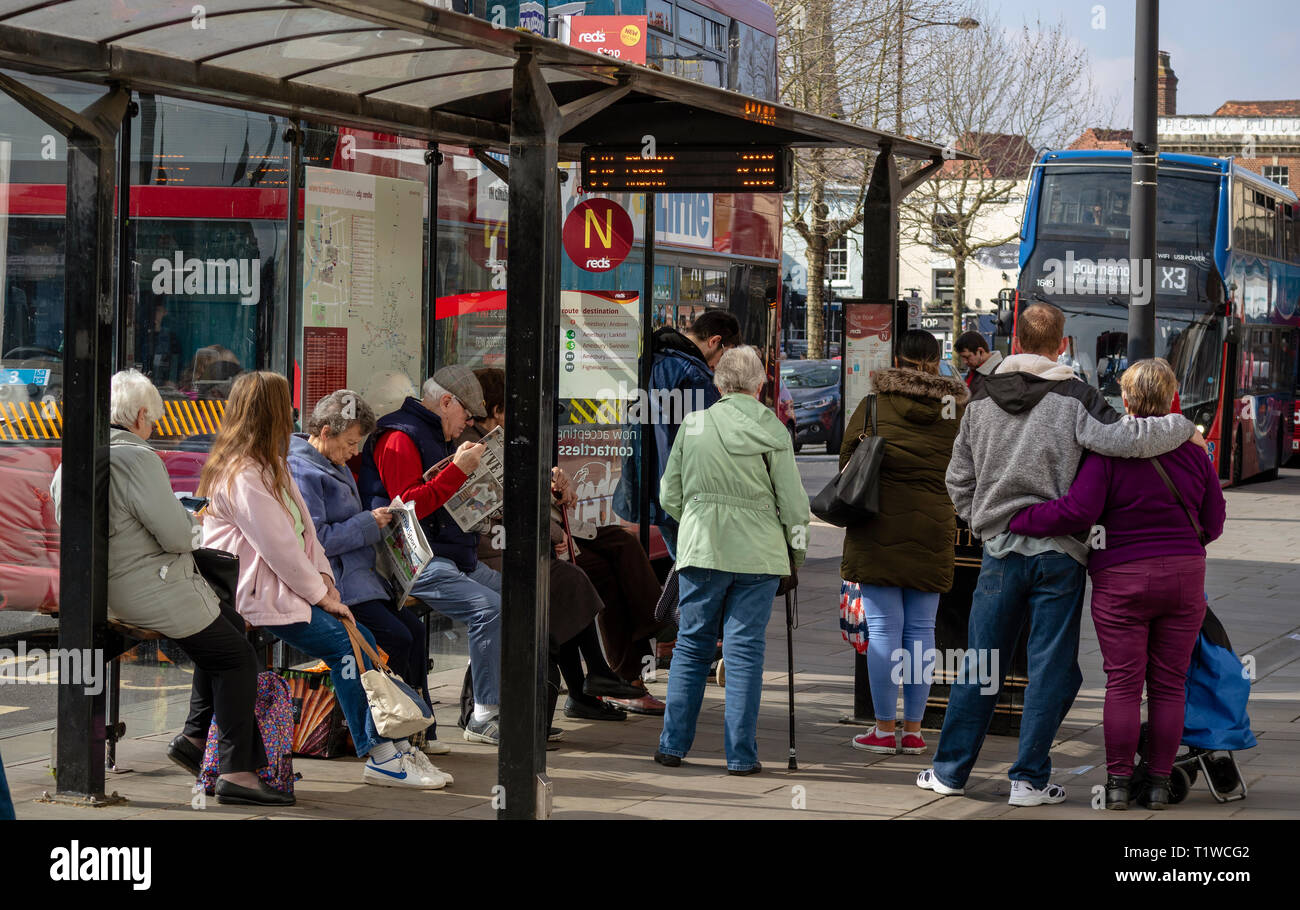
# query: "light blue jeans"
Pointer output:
{"type": "Point", "coordinates": [899, 620]}
{"type": "Point", "coordinates": [739, 605]}
{"type": "Point", "coordinates": [473, 598]}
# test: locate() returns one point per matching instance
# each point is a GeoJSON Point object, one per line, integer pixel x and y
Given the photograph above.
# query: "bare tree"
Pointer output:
{"type": "Point", "coordinates": [839, 58]}
{"type": "Point", "coordinates": [998, 95]}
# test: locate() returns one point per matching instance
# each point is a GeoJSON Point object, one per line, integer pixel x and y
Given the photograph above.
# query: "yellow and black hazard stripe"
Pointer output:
{"type": "Point", "coordinates": [597, 410]}
{"type": "Point", "coordinates": [34, 421]}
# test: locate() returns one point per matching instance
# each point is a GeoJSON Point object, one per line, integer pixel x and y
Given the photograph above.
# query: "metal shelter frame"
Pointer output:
{"type": "Point", "coordinates": [397, 66]}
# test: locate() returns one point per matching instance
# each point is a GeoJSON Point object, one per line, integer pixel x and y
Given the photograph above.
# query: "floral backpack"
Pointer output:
{"type": "Point", "coordinates": [853, 619]}
{"type": "Point", "coordinates": [274, 711]}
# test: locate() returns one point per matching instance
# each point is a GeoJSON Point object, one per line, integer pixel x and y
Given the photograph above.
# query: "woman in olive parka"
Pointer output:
{"type": "Point", "coordinates": [902, 559]}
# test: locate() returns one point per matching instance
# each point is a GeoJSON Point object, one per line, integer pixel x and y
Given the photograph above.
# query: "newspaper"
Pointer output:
{"type": "Point", "coordinates": [406, 547]}
{"type": "Point", "coordinates": [483, 492]}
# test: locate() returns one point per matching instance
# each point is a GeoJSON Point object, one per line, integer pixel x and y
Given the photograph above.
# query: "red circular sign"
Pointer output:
{"type": "Point", "coordinates": [598, 235]}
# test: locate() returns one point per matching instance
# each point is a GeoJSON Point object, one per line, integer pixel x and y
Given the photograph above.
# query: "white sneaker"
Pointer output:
{"type": "Point", "coordinates": [399, 771]}
{"type": "Point", "coordinates": [434, 747]}
{"type": "Point", "coordinates": [1023, 793]}
{"type": "Point", "coordinates": [928, 780]}
{"type": "Point", "coordinates": [428, 768]}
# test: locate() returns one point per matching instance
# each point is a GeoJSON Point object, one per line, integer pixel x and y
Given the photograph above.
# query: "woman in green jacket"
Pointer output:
{"type": "Point", "coordinates": [732, 485]}
{"type": "Point", "coordinates": [902, 559]}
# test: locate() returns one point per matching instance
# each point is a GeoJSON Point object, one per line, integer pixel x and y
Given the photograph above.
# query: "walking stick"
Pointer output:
{"type": "Point", "coordinates": [790, 612]}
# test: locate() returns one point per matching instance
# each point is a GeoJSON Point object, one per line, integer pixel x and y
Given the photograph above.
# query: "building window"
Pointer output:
{"type": "Point", "coordinates": [1278, 173]}
{"type": "Point", "coordinates": [837, 260]}
{"type": "Point", "coordinates": [944, 279]}
{"type": "Point", "coordinates": [945, 231]}
{"type": "Point", "coordinates": [659, 15]}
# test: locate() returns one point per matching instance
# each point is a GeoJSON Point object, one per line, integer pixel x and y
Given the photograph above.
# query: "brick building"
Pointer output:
{"type": "Point", "coordinates": [1264, 136]}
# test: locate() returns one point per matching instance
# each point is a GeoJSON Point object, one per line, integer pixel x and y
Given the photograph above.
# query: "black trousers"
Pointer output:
{"type": "Point", "coordinates": [225, 685]}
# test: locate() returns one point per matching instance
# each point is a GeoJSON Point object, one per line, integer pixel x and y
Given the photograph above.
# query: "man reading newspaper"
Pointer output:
{"type": "Point", "coordinates": [406, 444]}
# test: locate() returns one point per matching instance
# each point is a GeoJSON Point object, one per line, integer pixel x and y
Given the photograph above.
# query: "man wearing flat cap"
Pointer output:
{"type": "Point", "coordinates": [404, 445]}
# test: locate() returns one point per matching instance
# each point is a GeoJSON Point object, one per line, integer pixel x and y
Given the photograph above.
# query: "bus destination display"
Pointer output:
{"type": "Point", "coordinates": [734, 169]}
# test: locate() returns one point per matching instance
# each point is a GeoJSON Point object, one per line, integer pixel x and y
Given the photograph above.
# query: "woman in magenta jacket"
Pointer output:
{"type": "Point", "coordinates": [1148, 578]}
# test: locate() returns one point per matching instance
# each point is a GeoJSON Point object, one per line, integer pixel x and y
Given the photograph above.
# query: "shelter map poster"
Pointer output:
{"type": "Point", "coordinates": [362, 260]}
{"type": "Point", "coordinates": [869, 333]}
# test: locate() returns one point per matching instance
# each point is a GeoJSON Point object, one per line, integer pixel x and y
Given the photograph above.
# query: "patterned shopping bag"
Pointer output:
{"type": "Point", "coordinates": [853, 619]}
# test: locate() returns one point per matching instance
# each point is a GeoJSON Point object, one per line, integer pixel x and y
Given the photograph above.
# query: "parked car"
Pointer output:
{"type": "Point", "coordinates": [815, 392]}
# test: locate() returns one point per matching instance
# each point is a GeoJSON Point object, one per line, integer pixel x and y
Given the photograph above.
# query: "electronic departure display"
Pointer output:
{"type": "Point", "coordinates": [673, 169]}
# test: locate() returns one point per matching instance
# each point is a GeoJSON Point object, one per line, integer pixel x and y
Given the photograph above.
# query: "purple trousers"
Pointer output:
{"type": "Point", "coordinates": [1148, 615]}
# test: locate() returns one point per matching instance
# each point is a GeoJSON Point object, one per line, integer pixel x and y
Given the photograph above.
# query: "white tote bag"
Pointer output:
{"type": "Point", "coordinates": [397, 710]}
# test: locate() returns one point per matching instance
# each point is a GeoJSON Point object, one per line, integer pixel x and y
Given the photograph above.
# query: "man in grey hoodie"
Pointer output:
{"type": "Point", "coordinates": [1021, 440]}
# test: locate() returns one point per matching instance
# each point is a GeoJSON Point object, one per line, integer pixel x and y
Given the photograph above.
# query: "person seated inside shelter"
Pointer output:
{"type": "Point", "coordinates": [349, 531]}
{"type": "Point", "coordinates": [405, 445]}
{"type": "Point", "coordinates": [286, 583]}
{"type": "Point", "coordinates": [154, 584]}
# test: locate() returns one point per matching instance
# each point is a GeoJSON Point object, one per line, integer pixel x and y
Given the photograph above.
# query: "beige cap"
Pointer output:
{"type": "Point", "coordinates": [461, 382]}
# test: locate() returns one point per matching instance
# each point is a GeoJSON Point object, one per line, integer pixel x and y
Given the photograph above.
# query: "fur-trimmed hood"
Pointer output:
{"type": "Point", "coordinates": [919, 386]}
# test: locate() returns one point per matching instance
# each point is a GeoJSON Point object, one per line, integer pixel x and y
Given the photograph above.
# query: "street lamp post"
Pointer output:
{"type": "Point", "coordinates": [965, 23]}
{"type": "Point", "coordinates": [1142, 211]}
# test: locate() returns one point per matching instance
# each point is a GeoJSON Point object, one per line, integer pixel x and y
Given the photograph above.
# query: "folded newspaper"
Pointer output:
{"type": "Point", "coordinates": [483, 492]}
{"type": "Point", "coordinates": [406, 546]}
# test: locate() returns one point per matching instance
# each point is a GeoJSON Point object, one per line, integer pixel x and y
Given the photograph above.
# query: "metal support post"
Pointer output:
{"type": "Point", "coordinates": [532, 344]}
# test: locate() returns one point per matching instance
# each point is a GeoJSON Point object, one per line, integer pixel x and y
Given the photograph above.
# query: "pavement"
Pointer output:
{"type": "Point", "coordinates": [604, 769]}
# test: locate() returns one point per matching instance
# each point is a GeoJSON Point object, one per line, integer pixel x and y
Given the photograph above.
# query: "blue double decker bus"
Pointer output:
{"type": "Point", "coordinates": [1226, 282]}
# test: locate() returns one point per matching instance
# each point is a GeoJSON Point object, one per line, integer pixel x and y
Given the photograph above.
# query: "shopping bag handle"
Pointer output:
{"type": "Point", "coordinates": [359, 641]}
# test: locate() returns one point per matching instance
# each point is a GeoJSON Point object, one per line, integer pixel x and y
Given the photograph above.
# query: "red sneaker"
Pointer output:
{"type": "Point", "coordinates": [913, 744]}
{"type": "Point", "coordinates": [875, 741]}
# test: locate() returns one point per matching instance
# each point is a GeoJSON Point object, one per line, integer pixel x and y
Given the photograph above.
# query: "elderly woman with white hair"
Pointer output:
{"type": "Point", "coordinates": [154, 584]}
{"type": "Point", "coordinates": [732, 485]}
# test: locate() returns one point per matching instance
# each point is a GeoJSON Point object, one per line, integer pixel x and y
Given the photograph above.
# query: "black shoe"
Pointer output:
{"type": "Point", "coordinates": [754, 770]}
{"type": "Point", "coordinates": [668, 761]}
{"type": "Point", "coordinates": [610, 687]}
{"type": "Point", "coordinates": [185, 755]}
{"type": "Point", "coordinates": [233, 794]}
{"type": "Point", "coordinates": [1117, 791]}
{"type": "Point", "coordinates": [1158, 798]}
{"type": "Point", "coordinates": [582, 710]}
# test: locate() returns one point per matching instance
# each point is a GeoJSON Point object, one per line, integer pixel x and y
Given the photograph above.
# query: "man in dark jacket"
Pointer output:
{"type": "Point", "coordinates": [405, 444]}
{"type": "Point", "coordinates": [974, 353]}
{"type": "Point", "coordinates": [681, 381]}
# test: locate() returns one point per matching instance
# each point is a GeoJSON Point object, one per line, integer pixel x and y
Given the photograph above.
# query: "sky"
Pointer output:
{"type": "Point", "coordinates": [1243, 50]}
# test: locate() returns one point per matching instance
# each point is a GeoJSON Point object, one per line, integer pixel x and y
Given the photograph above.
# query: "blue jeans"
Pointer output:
{"type": "Point", "coordinates": [6, 803]}
{"type": "Point", "coordinates": [741, 604]}
{"type": "Point", "coordinates": [899, 619]}
{"type": "Point", "coordinates": [324, 638]}
{"type": "Point", "coordinates": [473, 598]}
{"type": "Point", "coordinates": [1048, 590]}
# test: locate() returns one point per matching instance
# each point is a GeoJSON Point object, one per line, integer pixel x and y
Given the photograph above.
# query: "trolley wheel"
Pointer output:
{"type": "Point", "coordinates": [1223, 774]}
{"type": "Point", "coordinates": [1180, 784]}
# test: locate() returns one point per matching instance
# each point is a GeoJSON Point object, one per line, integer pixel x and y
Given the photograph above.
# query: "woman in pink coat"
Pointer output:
{"type": "Point", "coordinates": [285, 584]}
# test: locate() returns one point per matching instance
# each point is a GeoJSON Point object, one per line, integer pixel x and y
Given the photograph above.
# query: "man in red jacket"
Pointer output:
{"type": "Point", "coordinates": [406, 444]}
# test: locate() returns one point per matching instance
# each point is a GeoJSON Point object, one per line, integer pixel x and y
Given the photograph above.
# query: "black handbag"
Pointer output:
{"type": "Point", "coordinates": [668, 610]}
{"type": "Point", "coordinates": [853, 497]}
{"type": "Point", "coordinates": [220, 570]}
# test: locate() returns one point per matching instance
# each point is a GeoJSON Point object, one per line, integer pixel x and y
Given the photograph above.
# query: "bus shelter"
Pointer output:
{"type": "Point", "coordinates": [420, 72]}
